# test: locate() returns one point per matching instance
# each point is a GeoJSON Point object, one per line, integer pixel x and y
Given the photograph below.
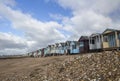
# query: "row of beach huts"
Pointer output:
{"type": "Point", "coordinates": [107, 40]}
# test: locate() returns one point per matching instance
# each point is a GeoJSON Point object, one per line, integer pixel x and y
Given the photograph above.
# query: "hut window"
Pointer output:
{"type": "Point", "coordinates": [74, 46]}
{"type": "Point", "coordinates": [119, 36]}
{"type": "Point", "coordinates": [105, 39]}
{"type": "Point", "coordinates": [93, 41]}
{"type": "Point", "coordinates": [81, 44]}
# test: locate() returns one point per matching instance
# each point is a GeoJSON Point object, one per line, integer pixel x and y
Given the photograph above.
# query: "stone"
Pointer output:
{"type": "Point", "coordinates": [104, 66]}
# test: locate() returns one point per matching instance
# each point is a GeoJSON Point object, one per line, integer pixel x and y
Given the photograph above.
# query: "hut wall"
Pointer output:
{"type": "Point", "coordinates": [95, 42]}
{"type": "Point", "coordinates": [74, 47]}
{"type": "Point", "coordinates": [84, 46]}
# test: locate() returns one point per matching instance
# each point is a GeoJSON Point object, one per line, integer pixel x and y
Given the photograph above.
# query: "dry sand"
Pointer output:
{"type": "Point", "coordinates": [21, 69]}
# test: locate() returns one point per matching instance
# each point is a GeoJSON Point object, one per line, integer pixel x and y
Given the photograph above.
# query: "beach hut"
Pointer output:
{"type": "Point", "coordinates": [53, 50]}
{"type": "Point", "coordinates": [49, 50]}
{"type": "Point", "coordinates": [45, 51]}
{"type": "Point", "coordinates": [35, 53]}
{"type": "Point", "coordinates": [31, 54]}
{"type": "Point", "coordinates": [56, 48]}
{"type": "Point", "coordinates": [111, 39]}
{"type": "Point", "coordinates": [39, 52]}
{"type": "Point", "coordinates": [61, 48]}
{"type": "Point", "coordinates": [95, 42]}
{"type": "Point", "coordinates": [84, 44]}
{"type": "Point", "coordinates": [74, 47]}
{"type": "Point", "coordinates": [42, 52]}
{"type": "Point", "coordinates": [67, 47]}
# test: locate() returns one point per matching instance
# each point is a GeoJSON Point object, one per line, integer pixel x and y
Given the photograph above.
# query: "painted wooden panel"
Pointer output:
{"type": "Point", "coordinates": [107, 31]}
{"type": "Point", "coordinates": [72, 51]}
{"type": "Point", "coordinates": [45, 52]}
{"type": "Point", "coordinates": [111, 40]}
{"type": "Point", "coordinates": [83, 44]}
{"type": "Point", "coordinates": [39, 52]}
{"type": "Point", "coordinates": [61, 49]}
{"type": "Point", "coordinates": [105, 45]}
{"type": "Point", "coordinates": [95, 42]}
{"type": "Point", "coordinates": [118, 40]}
{"type": "Point", "coordinates": [74, 47]}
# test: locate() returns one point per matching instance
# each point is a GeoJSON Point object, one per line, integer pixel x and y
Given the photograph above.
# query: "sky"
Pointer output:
{"type": "Point", "coordinates": [28, 25]}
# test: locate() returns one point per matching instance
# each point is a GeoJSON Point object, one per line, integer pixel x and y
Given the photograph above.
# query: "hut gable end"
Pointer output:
{"type": "Point", "coordinates": [109, 31]}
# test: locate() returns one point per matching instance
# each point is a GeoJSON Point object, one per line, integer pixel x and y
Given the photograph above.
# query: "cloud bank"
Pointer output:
{"type": "Point", "coordinates": [88, 16]}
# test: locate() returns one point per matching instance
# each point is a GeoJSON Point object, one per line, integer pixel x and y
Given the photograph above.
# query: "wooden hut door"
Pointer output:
{"type": "Point", "coordinates": [111, 40]}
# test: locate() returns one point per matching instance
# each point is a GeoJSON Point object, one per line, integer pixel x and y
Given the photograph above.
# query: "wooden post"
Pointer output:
{"type": "Point", "coordinates": [116, 38]}
{"type": "Point", "coordinates": [102, 41]}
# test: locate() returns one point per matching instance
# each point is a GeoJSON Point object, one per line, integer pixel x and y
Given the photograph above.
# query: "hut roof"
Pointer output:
{"type": "Point", "coordinates": [83, 38]}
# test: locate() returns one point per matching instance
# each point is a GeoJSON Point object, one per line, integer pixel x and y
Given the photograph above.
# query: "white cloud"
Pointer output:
{"type": "Point", "coordinates": [102, 6]}
{"type": "Point", "coordinates": [8, 42]}
{"type": "Point", "coordinates": [86, 23]}
{"type": "Point", "coordinates": [106, 6]}
{"type": "Point", "coordinates": [37, 34]}
{"type": "Point", "coordinates": [89, 16]}
{"type": "Point", "coordinates": [8, 2]}
{"type": "Point", "coordinates": [57, 16]}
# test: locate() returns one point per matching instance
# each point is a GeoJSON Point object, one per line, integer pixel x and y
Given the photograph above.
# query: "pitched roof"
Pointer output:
{"type": "Point", "coordinates": [83, 38]}
{"type": "Point", "coordinates": [94, 34]}
{"type": "Point", "coordinates": [111, 30]}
